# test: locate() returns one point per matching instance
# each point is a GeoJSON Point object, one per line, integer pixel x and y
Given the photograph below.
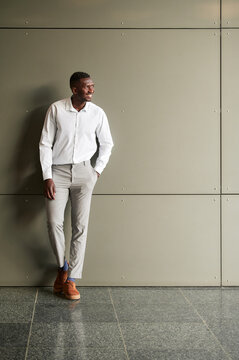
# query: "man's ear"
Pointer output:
{"type": "Point", "coordinates": [74, 91]}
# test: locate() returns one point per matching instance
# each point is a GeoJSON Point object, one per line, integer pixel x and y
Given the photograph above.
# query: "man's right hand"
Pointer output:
{"type": "Point", "coordinates": [49, 189]}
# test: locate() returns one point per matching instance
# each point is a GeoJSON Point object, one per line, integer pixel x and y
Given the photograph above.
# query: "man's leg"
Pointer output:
{"type": "Point", "coordinates": [55, 209]}
{"type": "Point", "coordinates": [80, 196]}
{"type": "Point", "coordinates": [55, 221]}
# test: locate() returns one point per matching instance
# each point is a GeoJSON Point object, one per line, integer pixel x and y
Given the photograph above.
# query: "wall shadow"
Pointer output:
{"type": "Point", "coordinates": [27, 181]}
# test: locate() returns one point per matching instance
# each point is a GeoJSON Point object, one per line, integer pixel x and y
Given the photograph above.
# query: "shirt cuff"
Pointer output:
{"type": "Point", "coordinates": [47, 174]}
{"type": "Point", "coordinates": [98, 169]}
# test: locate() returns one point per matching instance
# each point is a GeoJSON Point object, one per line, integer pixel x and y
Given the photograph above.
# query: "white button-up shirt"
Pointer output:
{"type": "Point", "coordinates": [69, 136]}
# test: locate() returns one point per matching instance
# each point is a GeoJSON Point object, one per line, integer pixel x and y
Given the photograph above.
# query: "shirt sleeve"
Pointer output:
{"type": "Point", "coordinates": [105, 142]}
{"type": "Point", "coordinates": [46, 143]}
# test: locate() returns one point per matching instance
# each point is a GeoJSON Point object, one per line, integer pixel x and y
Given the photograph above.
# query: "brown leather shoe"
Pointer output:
{"type": "Point", "coordinates": [70, 291]}
{"type": "Point", "coordinates": [59, 282]}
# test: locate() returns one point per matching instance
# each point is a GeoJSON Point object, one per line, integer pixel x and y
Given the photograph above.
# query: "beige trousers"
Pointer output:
{"type": "Point", "coordinates": [77, 183]}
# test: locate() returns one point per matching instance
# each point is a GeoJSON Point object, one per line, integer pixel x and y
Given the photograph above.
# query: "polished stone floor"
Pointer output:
{"type": "Point", "coordinates": [116, 323]}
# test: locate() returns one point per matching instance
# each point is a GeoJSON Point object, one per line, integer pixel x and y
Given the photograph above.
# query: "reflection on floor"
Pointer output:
{"type": "Point", "coordinates": [116, 323]}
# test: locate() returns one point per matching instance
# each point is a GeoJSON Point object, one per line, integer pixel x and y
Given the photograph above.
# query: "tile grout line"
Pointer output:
{"type": "Point", "coordinates": [206, 325]}
{"type": "Point", "coordinates": [125, 349]}
{"type": "Point", "coordinates": [30, 331]}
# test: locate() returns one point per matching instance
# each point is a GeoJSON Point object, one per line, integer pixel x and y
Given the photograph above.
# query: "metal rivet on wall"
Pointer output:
{"type": "Point", "coordinates": [214, 188]}
{"type": "Point", "coordinates": [122, 23]}
{"type": "Point", "coordinates": [214, 22]}
{"type": "Point", "coordinates": [122, 34]}
{"type": "Point", "coordinates": [228, 33]}
{"type": "Point", "coordinates": [122, 201]}
{"type": "Point", "coordinates": [228, 22]}
{"type": "Point", "coordinates": [26, 22]}
{"type": "Point", "coordinates": [123, 188]}
{"type": "Point", "coordinates": [122, 110]}
{"type": "Point", "coordinates": [26, 33]}
{"type": "Point", "coordinates": [227, 199]}
{"type": "Point", "coordinates": [228, 110]}
{"type": "Point", "coordinates": [26, 200]}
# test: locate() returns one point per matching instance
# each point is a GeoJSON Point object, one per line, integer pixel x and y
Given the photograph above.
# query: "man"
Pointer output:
{"type": "Point", "coordinates": [67, 143]}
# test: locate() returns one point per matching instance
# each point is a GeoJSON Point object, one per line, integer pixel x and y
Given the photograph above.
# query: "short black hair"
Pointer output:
{"type": "Point", "coordinates": [77, 76]}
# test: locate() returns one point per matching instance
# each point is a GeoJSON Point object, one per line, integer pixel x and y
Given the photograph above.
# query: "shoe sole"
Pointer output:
{"type": "Point", "coordinates": [72, 297]}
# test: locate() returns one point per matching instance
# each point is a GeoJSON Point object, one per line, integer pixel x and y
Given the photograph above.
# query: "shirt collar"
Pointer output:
{"type": "Point", "coordinates": [70, 107]}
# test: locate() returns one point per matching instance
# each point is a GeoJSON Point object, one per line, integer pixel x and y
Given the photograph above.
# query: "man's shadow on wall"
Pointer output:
{"type": "Point", "coordinates": [28, 185]}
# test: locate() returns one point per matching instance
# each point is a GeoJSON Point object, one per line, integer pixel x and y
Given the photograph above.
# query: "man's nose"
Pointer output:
{"type": "Point", "coordinates": [91, 89]}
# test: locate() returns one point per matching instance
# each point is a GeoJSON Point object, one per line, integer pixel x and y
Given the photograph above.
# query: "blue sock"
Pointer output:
{"type": "Point", "coordinates": [72, 279]}
{"type": "Point", "coordinates": [65, 267]}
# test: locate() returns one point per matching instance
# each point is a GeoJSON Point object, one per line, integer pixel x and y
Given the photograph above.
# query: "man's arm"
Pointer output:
{"type": "Point", "coordinates": [45, 147]}
{"type": "Point", "coordinates": [106, 144]}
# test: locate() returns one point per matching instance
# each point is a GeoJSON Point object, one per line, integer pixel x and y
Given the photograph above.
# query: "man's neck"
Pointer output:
{"type": "Point", "coordinates": [77, 104]}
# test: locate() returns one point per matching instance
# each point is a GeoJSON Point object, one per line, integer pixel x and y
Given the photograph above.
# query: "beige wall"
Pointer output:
{"type": "Point", "coordinates": [164, 211]}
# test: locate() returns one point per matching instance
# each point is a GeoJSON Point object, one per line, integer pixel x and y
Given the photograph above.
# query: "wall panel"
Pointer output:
{"type": "Point", "coordinates": [153, 240]}
{"type": "Point", "coordinates": [230, 248]}
{"type": "Point", "coordinates": [160, 90]}
{"type": "Point", "coordinates": [230, 111]}
{"type": "Point", "coordinates": [133, 240]}
{"type": "Point", "coordinates": [230, 13]}
{"type": "Point", "coordinates": [110, 13]}
{"type": "Point", "coordinates": [25, 258]}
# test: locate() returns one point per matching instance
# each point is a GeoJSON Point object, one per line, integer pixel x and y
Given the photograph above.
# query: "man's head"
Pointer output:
{"type": "Point", "coordinates": [82, 86]}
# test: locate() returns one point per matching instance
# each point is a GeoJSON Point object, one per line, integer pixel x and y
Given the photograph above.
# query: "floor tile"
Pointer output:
{"type": "Point", "coordinates": [156, 354]}
{"type": "Point", "coordinates": [214, 305]}
{"type": "Point", "coordinates": [216, 313]}
{"type": "Point", "coordinates": [130, 312]}
{"type": "Point", "coordinates": [39, 353]}
{"type": "Point", "coordinates": [216, 295]}
{"type": "Point", "coordinates": [165, 336]}
{"type": "Point", "coordinates": [14, 334]}
{"type": "Point", "coordinates": [233, 353]}
{"type": "Point", "coordinates": [89, 295]}
{"type": "Point", "coordinates": [12, 353]}
{"type": "Point", "coordinates": [18, 293]}
{"type": "Point", "coordinates": [227, 332]}
{"type": "Point", "coordinates": [74, 311]}
{"type": "Point", "coordinates": [147, 295]}
{"type": "Point", "coordinates": [18, 312]}
{"type": "Point", "coordinates": [76, 334]}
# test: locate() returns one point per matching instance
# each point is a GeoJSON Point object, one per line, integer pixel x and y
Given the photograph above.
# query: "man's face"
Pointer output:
{"type": "Point", "coordinates": [84, 89]}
